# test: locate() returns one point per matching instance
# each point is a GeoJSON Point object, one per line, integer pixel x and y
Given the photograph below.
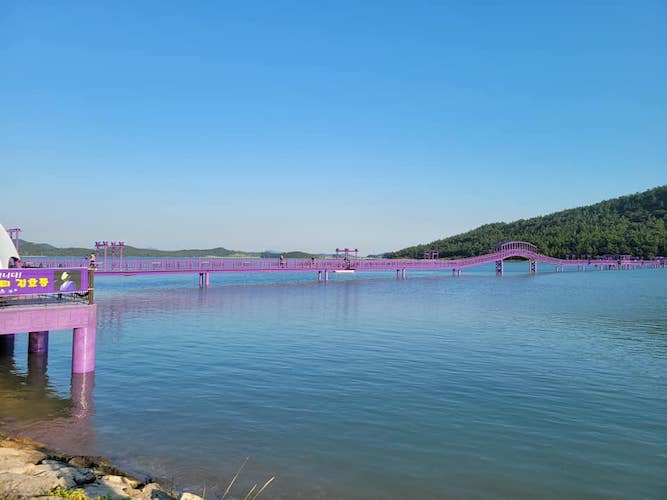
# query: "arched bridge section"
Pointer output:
{"type": "Point", "coordinates": [516, 245]}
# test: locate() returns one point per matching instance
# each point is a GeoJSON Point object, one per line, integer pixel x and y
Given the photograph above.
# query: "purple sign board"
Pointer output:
{"type": "Point", "coordinates": [32, 281]}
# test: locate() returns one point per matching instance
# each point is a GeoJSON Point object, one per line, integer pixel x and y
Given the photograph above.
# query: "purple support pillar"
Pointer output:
{"type": "Point", "coordinates": [403, 273]}
{"type": "Point", "coordinates": [38, 342]}
{"type": "Point", "coordinates": [208, 279]}
{"type": "Point", "coordinates": [326, 275]}
{"type": "Point", "coordinates": [83, 349]}
{"type": "Point", "coordinates": [6, 345]}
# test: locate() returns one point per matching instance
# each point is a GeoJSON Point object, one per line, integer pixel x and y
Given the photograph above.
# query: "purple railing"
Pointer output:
{"type": "Point", "coordinates": [131, 266]}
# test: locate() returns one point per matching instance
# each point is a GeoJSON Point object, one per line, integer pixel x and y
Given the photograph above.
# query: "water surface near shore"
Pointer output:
{"type": "Point", "coordinates": [553, 385]}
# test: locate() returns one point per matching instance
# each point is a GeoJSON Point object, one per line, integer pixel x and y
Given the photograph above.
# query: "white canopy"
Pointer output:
{"type": "Point", "coordinates": [7, 249]}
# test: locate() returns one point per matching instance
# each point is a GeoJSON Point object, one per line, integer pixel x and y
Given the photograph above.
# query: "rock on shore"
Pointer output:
{"type": "Point", "coordinates": [30, 470]}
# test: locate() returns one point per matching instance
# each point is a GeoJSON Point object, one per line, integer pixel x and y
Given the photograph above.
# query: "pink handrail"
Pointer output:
{"type": "Point", "coordinates": [507, 250]}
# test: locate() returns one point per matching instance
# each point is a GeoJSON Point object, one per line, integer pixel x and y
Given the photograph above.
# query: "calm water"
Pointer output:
{"type": "Point", "coordinates": [547, 386]}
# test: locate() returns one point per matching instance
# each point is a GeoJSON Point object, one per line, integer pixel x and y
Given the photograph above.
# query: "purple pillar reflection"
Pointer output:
{"type": "Point", "coordinates": [82, 394]}
{"type": "Point", "coordinates": [38, 342]}
{"type": "Point", "coordinates": [37, 365]}
{"type": "Point", "coordinates": [83, 350]}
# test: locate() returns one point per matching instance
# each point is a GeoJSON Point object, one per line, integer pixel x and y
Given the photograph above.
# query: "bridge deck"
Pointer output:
{"type": "Point", "coordinates": [135, 266]}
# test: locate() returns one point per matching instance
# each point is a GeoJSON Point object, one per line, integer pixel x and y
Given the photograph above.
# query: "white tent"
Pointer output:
{"type": "Point", "coordinates": [7, 249]}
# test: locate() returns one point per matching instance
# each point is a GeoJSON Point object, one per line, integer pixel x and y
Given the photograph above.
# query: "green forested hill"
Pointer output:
{"type": "Point", "coordinates": [28, 248]}
{"type": "Point", "coordinates": [633, 225]}
{"type": "Point", "coordinates": [43, 249]}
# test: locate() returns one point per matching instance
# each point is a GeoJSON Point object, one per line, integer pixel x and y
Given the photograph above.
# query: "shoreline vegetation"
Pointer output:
{"type": "Point", "coordinates": [31, 470]}
{"type": "Point", "coordinates": [629, 225]}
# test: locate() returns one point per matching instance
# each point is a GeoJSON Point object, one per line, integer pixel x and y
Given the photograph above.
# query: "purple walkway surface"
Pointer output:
{"type": "Point", "coordinates": [134, 266]}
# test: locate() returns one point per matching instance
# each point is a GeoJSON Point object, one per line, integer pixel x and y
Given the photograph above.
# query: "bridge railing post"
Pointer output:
{"type": "Point", "coordinates": [91, 283]}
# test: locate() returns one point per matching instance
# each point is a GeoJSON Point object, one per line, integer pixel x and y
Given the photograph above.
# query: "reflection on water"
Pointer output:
{"type": "Point", "coordinates": [550, 385]}
{"type": "Point", "coordinates": [33, 407]}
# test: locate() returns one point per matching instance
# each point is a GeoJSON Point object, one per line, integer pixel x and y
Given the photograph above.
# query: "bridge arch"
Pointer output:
{"type": "Point", "coordinates": [515, 245]}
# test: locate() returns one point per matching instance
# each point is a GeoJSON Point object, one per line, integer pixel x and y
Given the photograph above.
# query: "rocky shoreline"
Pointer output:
{"type": "Point", "coordinates": [30, 470]}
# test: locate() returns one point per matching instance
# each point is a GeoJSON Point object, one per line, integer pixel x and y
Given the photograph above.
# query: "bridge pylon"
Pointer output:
{"type": "Point", "coordinates": [499, 267]}
{"type": "Point", "coordinates": [532, 266]}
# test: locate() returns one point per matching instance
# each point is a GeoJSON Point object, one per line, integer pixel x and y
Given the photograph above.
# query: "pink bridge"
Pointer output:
{"type": "Point", "coordinates": [23, 314]}
{"type": "Point", "coordinates": [116, 265]}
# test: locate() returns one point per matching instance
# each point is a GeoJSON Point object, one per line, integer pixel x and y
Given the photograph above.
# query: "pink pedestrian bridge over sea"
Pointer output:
{"type": "Point", "coordinates": [114, 264]}
{"type": "Point", "coordinates": [36, 305]}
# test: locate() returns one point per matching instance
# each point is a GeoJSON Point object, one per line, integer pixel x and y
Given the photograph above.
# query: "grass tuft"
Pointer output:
{"type": "Point", "coordinates": [76, 494]}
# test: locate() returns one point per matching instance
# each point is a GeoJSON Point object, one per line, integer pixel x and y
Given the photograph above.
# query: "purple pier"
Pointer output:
{"type": "Point", "coordinates": [123, 266]}
{"type": "Point", "coordinates": [39, 320]}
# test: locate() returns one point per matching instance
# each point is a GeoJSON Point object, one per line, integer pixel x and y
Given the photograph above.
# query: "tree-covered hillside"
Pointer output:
{"type": "Point", "coordinates": [44, 249]}
{"type": "Point", "coordinates": [632, 225]}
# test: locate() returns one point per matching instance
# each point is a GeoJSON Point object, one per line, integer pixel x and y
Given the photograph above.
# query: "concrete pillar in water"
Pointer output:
{"type": "Point", "coordinates": [403, 271]}
{"type": "Point", "coordinates": [319, 275]}
{"type": "Point", "coordinates": [7, 345]}
{"type": "Point", "coordinates": [499, 267]}
{"type": "Point", "coordinates": [38, 342]}
{"type": "Point", "coordinates": [83, 349]}
{"type": "Point", "coordinates": [326, 275]}
{"type": "Point", "coordinates": [208, 279]}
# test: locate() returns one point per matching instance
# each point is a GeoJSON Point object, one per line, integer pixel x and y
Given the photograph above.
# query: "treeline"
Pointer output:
{"type": "Point", "coordinates": [629, 225]}
{"type": "Point", "coordinates": [44, 249]}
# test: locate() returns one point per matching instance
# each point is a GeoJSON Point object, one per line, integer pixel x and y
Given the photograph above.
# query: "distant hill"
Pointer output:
{"type": "Point", "coordinates": [43, 249]}
{"type": "Point", "coordinates": [632, 225]}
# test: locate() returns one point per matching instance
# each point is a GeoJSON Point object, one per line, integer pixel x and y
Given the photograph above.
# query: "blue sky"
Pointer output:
{"type": "Point", "coordinates": [314, 125]}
